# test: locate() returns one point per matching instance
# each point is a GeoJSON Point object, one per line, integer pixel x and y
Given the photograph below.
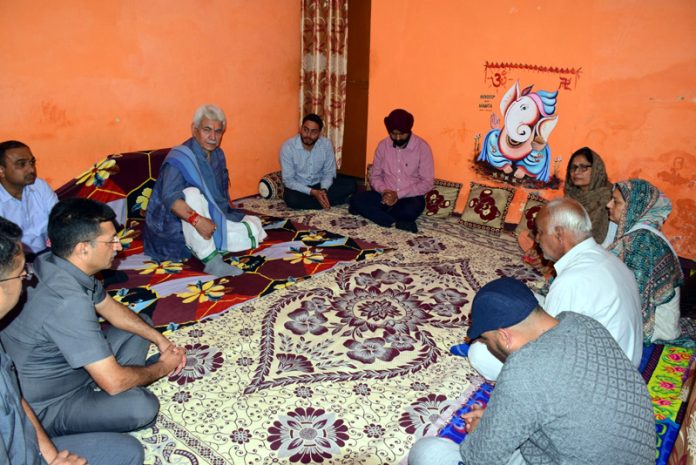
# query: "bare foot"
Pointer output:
{"type": "Point", "coordinates": [507, 169]}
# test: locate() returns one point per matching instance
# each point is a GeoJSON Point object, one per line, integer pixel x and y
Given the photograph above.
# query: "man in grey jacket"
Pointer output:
{"type": "Point", "coordinates": [23, 439]}
{"type": "Point", "coordinates": [567, 393]}
{"type": "Point", "coordinates": [78, 377]}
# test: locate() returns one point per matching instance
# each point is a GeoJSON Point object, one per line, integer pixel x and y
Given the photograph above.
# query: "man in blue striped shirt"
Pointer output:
{"type": "Point", "coordinates": [309, 169]}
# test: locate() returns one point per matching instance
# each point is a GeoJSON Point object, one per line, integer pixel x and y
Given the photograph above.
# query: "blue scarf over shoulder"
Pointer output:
{"type": "Point", "coordinates": [196, 173]}
{"type": "Point", "coordinates": [186, 166]}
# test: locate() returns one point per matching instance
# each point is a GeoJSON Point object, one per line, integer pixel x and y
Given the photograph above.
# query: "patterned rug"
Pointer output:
{"type": "Point", "coordinates": [176, 294]}
{"type": "Point", "coordinates": [666, 369]}
{"type": "Point", "coordinates": [348, 367]}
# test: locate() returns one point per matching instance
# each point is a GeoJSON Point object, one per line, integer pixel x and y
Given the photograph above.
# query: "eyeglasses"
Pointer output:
{"type": "Point", "coordinates": [26, 276]}
{"type": "Point", "coordinates": [579, 168]}
{"type": "Point", "coordinates": [112, 242]}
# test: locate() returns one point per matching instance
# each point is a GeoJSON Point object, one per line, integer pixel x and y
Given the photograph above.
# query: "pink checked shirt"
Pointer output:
{"type": "Point", "coordinates": [408, 171]}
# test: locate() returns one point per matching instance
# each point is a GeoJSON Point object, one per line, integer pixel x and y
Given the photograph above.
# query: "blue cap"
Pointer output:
{"type": "Point", "coordinates": [501, 303]}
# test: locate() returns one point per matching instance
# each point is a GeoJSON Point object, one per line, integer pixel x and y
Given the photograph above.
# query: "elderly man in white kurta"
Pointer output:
{"type": "Point", "coordinates": [589, 280]}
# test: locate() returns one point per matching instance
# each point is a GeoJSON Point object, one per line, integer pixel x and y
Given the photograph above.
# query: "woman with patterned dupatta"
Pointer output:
{"type": "Point", "coordinates": [640, 209]}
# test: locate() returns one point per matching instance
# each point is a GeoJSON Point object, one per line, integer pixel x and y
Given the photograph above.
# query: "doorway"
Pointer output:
{"type": "Point", "coordinates": [357, 86]}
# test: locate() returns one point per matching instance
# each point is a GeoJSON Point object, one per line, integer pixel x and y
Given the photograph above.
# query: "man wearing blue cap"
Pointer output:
{"type": "Point", "coordinates": [567, 393]}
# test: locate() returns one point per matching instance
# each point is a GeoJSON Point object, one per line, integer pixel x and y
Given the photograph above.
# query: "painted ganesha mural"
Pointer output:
{"type": "Point", "coordinates": [520, 147]}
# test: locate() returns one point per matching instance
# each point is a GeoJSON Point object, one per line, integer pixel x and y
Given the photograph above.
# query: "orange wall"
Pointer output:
{"type": "Point", "coordinates": [635, 101]}
{"type": "Point", "coordinates": [82, 79]}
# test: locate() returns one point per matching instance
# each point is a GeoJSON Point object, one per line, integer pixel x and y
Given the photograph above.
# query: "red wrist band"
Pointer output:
{"type": "Point", "coordinates": [193, 219]}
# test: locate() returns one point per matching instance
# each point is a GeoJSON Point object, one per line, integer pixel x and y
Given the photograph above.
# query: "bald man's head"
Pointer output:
{"type": "Point", "coordinates": [561, 225]}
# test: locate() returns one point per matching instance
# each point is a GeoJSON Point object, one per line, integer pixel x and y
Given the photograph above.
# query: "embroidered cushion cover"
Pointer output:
{"type": "Point", "coordinates": [486, 207]}
{"type": "Point", "coordinates": [531, 208]}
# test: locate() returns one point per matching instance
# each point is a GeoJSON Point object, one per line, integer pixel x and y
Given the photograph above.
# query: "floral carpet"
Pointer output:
{"type": "Point", "coordinates": [665, 369]}
{"type": "Point", "coordinates": [348, 367]}
{"type": "Point", "coordinates": [176, 294]}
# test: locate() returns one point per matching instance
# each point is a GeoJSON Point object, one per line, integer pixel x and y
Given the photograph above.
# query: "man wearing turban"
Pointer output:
{"type": "Point", "coordinates": [402, 173]}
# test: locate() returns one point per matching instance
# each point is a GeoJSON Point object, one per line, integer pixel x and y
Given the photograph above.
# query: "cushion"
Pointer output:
{"type": "Point", "coordinates": [124, 181]}
{"type": "Point", "coordinates": [486, 207]}
{"type": "Point", "coordinates": [271, 186]}
{"type": "Point", "coordinates": [440, 201]}
{"type": "Point", "coordinates": [527, 220]}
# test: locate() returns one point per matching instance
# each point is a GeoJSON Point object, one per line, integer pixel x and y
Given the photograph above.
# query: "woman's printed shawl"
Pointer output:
{"type": "Point", "coordinates": [654, 264]}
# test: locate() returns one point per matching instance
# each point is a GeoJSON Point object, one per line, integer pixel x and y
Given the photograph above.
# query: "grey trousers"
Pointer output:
{"type": "Point", "coordinates": [103, 448]}
{"type": "Point", "coordinates": [90, 409]}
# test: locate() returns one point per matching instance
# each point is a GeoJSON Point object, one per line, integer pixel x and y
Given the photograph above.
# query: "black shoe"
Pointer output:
{"type": "Point", "coordinates": [407, 226]}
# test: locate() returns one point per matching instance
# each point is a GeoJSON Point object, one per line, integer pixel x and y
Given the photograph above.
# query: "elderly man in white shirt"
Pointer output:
{"type": "Point", "coordinates": [589, 280]}
{"type": "Point", "coordinates": [24, 199]}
